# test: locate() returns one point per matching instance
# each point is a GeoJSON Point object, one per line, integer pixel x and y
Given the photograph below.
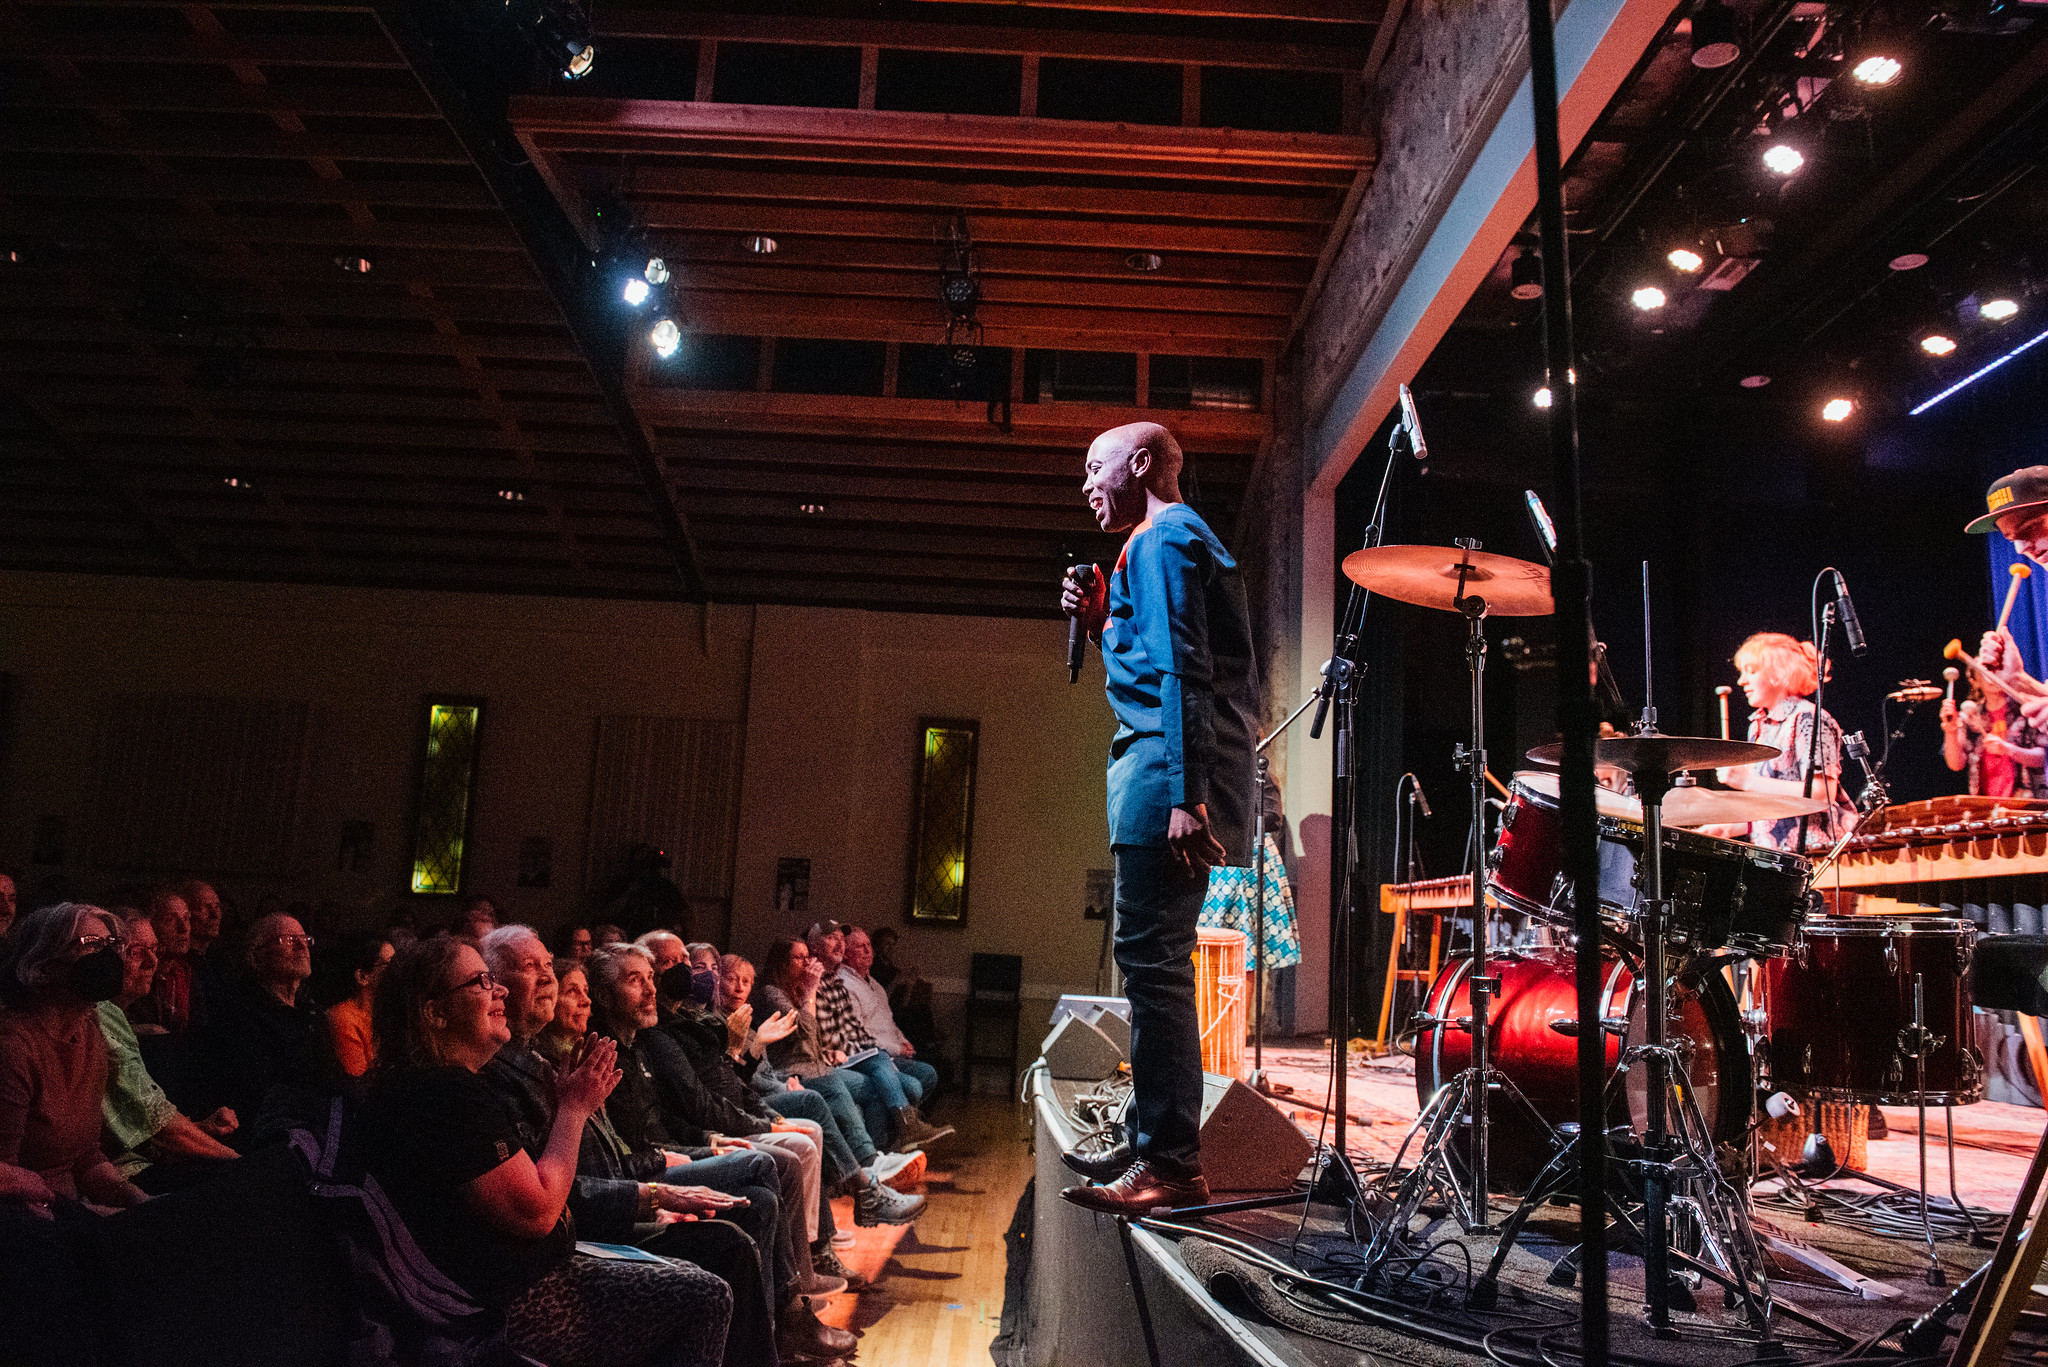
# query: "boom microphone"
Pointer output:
{"type": "Point", "coordinates": [1846, 610]}
{"type": "Point", "coordinates": [1415, 787]}
{"type": "Point", "coordinates": [1411, 423]}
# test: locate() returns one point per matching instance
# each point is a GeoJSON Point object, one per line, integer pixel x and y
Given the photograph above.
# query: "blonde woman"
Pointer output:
{"type": "Point", "coordinates": [1778, 676]}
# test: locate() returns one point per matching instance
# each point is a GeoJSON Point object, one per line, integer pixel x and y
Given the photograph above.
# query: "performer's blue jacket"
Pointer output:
{"type": "Point", "coordinates": [1177, 646]}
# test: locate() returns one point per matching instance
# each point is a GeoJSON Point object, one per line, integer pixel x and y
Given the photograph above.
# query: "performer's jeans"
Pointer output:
{"type": "Point", "coordinates": [1157, 902]}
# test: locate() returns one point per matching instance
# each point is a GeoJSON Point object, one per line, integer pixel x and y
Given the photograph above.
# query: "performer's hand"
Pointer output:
{"type": "Point", "coordinates": [1948, 714]}
{"type": "Point", "coordinates": [1090, 603]}
{"type": "Point", "coordinates": [1737, 777]}
{"type": "Point", "coordinates": [1187, 832]}
{"type": "Point", "coordinates": [2035, 710]}
{"type": "Point", "coordinates": [1995, 744]}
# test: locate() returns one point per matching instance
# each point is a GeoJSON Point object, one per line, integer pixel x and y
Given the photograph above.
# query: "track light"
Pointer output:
{"type": "Point", "coordinates": [1685, 259]}
{"type": "Point", "coordinates": [1525, 276]}
{"type": "Point", "coordinates": [635, 291]}
{"type": "Point", "coordinates": [1998, 308]}
{"type": "Point", "coordinates": [1713, 36]}
{"type": "Point", "coordinates": [1877, 70]}
{"type": "Point", "coordinates": [1783, 159]}
{"type": "Point", "coordinates": [1934, 344]}
{"type": "Point", "coordinates": [760, 246]}
{"type": "Point", "coordinates": [1837, 410]}
{"type": "Point", "coordinates": [666, 337]}
{"type": "Point", "coordinates": [1541, 398]}
{"type": "Point", "coordinates": [639, 288]}
{"type": "Point", "coordinates": [561, 29]}
{"type": "Point", "coordinates": [1647, 298]}
{"type": "Point", "coordinates": [1143, 261]}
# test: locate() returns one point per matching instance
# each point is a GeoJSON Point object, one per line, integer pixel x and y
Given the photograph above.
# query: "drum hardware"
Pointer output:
{"type": "Point", "coordinates": [1916, 1041]}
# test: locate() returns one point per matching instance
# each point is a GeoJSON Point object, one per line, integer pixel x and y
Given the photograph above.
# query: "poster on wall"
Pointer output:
{"type": "Point", "coordinates": [792, 885]}
{"type": "Point", "coordinates": [1098, 894]}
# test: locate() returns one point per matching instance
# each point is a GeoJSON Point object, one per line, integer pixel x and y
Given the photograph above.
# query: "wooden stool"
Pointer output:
{"type": "Point", "coordinates": [1434, 898]}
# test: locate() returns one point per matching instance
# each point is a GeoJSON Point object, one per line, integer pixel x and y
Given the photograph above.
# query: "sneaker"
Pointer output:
{"type": "Point", "coordinates": [876, 1204]}
{"type": "Point", "coordinates": [899, 1170]}
{"type": "Point", "coordinates": [843, 1238]}
{"type": "Point", "coordinates": [825, 1262]}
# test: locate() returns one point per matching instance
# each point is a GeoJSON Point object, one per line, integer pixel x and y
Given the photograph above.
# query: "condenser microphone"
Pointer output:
{"type": "Point", "coordinates": [1412, 425]}
{"type": "Point", "coordinates": [1077, 639]}
{"type": "Point", "coordinates": [1415, 787]}
{"type": "Point", "coordinates": [1846, 610]}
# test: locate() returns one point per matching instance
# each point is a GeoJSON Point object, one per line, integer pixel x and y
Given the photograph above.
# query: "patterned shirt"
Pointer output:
{"type": "Point", "coordinates": [1995, 775]}
{"type": "Point", "coordinates": [1789, 726]}
{"type": "Point", "coordinates": [839, 1019]}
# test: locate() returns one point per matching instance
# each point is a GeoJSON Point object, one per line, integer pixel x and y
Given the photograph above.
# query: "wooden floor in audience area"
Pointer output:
{"type": "Point", "coordinates": [938, 1294]}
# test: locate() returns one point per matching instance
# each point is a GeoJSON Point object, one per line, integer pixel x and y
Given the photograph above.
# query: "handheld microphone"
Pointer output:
{"type": "Point", "coordinates": [1846, 610]}
{"type": "Point", "coordinates": [1412, 425]}
{"type": "Point", "coordinates": [1077, 639]}
{"type": "Point", "coordinates": [1415, 787]}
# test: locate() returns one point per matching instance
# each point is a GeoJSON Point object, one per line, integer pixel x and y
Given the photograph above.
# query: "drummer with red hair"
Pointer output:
{"type": "Point", "coordinates": [1778, 676]}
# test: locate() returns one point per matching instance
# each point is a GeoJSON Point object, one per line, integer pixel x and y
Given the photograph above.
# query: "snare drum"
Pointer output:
{"type": "Point", "coordinates": [1723, 893]}
{"type": "Point", "coordinates": [1840, 1009]}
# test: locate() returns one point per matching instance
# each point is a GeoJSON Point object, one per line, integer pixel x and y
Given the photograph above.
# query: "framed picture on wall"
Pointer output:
{"type": "Point", "coordinates": [792, 884]}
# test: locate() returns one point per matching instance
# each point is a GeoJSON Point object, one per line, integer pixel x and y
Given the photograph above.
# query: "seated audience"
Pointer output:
{"type": "Point", "coordinates": [902, 1081]}
{"type": "Point", "coordinates": [572, 1011]}
{"type": "Point", "coordinates": [177, 1003]}
{"type": "Point", "coordinates": [610, 1207]}
{"type": "Point", "coordinates": [703, 957]}
{"type": "Point", "coordinates": [7, 902]}
{"type": "Point", "coordinates": [401, 928]}
{"type": "Point", "coordinates": [488, 1214]}
{"type": "Point", "coordinates": [665, 947]}
{"type": "Point", "coordinates": [58, 964]}
{"type": "Point", "coordinates": [624, 1009]}
{"type": "Point", "coordinates": [573, 942]}
{"type": "Point", "coordinates": [265, 1033]}
{"type": "Point", "coordinates": [604, 933]}
{"type": "Point", "coordinates": [910, 995]}
{"type": "Point", "coordinates": [479, 918]}
{"type": "Point", "coordinates": [159, 1148]}
{"type": "Point", "coordinates": [869, 999]}
{"type": "Point", "coordinates": [345, 972]}
{"type": "Point", "coordinates": [204, 904]}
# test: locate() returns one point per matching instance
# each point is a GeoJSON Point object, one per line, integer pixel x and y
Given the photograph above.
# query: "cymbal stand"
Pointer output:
{"type": "Point", "coordinates": [1916, 1042]}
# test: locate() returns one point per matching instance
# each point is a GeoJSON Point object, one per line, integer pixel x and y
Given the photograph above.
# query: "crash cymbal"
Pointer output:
{"type": "Point", "coordinates": [1706, 806]}
{"type": "Point", "coordinates": [1657, 754]}
{"type": "Point", "coordinates": [1427, 576]}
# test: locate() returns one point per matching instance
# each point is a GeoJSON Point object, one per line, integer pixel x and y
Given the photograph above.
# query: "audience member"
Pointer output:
{"type": "Point", "coordinates": [7, 903]}
{"type": "Point", "coordinates": [572, 1011]}
{"type": "Point", "coordinates": [624, 1009]}
{"type": "Point", "coordinates": [176, 1004]}
{"type": "Point", "coordinates": [902, 1081]}
{"type": "Point", "coordinates": [877, 1087]}
{"type": "Point", "coordinates": [401, 928]}
{"type": "Point", "coordinates": [159, 1148]}
{"type": "Point", "coordinates": [59, 963]}
{"type": "Point", "coordinates": [703, 957]}
{"type": "Point", "coordinates": [604, 933]}
{"type": "Point", "coordinates": [910, 994]}
{"type": "Point", "coordinates": [204, 904]}
{"type": "Point", "coordinates": [345, 972]}
{"type": "Point", "coordinates": [479, 918]}
{"type": "Point", "coordinates": [869, 998]}
{"type": "Point", "coordinates": [605, 1206]}
{"type": "Point", "coordinates": [266, 1033]}
{"type": "Point", "coordinates": [665, 947]}
{"type": "Point", "coordinates": [487, 1213]}
{"type": "Point", "coordinates": [573, 942]}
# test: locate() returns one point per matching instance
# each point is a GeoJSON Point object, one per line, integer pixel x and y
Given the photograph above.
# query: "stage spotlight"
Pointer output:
{"type": "Point", "coordinates": [354, 264]}
{"type": "Point", "coordinates": [1837, 410]}
{"type": "Point", "coordinates": [1647, 298]}
{"type": "Point", "coordinates": [1934, 344]}
{"type": "Point", "coordinates": [1525, 276]}
{"type": "Point", "coordinates": [561, 29]}
{"type": "Point", "coordinates": [1998, 308]}
{"type": "Point", "coordinates": [512, 495]}
{"type": "Point", "coordinates": [635, 291]}
{"type": "Point", "coordinates": [1541, 398]}
{"type": "Point", "coordinates": [1685, 259]}
{"type": "Point", "coordinates": [1755, 381]}
{"type": "Point", "coordinates": [666, 337]}
{"type": "Point", "coordinates": [812, 507]}
{"type": "Point", "coordinates": [1713, 36]}
{"type": "Point", "coordinates": [1909, 261]}
{"type": "Point", "coordinates": [760, 246]}
{"type": "Point", "coordinates": [656, 272]}
{"type": "Point", "coordinates": [1783, 159]}
{"type": "Point", "coordinates": [1877, 70]}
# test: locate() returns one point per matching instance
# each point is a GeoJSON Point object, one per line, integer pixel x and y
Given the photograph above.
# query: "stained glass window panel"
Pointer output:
{"type": "Point", "coordinates": [944, 820]}
{"type": "Point", "coordinates": [447, 784]}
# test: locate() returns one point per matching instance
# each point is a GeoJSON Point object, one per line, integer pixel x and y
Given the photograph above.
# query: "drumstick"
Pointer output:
{"type": "Point", "coordinates": [2019, 571]}
{"type": "Point", "coordinates": [1721, 694]}
{"type": "Point", "coordinates": [1955, 652]}
{"type": "Point", "coordinates": [1951, 674]}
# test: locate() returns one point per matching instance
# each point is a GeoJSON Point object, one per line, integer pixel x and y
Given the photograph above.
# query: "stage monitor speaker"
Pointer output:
{"type": "Point", "coordinates": [1247, 1144]}
{"type": "Point", "coordinates": [1077, 1051]}
{"type": "Point", "coordinates": [1118, 1028]}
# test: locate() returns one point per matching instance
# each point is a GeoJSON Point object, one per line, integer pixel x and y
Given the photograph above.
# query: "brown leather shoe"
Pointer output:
{"type": "Point", "coordinates": [801, 1334]}
{"type": "Point", "coordinates": [1140, 1191]}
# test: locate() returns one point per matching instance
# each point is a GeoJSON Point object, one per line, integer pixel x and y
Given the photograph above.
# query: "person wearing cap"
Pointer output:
{"type": "Point", "coordinates": [2017, 506]}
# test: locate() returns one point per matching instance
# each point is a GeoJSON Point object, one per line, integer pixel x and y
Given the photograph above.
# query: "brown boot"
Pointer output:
{"type": "Point", "coordinates": [1141, 1191]}
{"type": "Point", "coordinates": [800, 1333]}
{"type": "Point", "coordinates": [913, 1131]}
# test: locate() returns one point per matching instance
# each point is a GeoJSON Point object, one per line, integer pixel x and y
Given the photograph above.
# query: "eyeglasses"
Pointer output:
{"type": "Point", "coordinates": [486, 980]}
{"type": "Point", "coordinates": [305, 940]}
{"type": "Point", "coordinates": [92, 944]}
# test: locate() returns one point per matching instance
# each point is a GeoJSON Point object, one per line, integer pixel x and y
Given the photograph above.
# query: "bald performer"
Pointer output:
{"type": "Point", "coordinates": [1176, 644]}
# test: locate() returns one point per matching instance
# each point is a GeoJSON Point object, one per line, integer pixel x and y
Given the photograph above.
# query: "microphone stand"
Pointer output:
{"type": "Point", "coordinates": [1264, 780]}
{"type": "Point", "coordinates": [1820, 688]}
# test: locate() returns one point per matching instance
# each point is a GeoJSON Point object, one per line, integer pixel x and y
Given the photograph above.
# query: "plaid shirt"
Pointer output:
{"type": "Point", "coordinates": [838, 1020]}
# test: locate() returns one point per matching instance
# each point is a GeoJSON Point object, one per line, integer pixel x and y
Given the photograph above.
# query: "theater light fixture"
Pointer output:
{"type": "Point", "coordinates": [1782, 159]}
{"type": "Point", "coordinates": [1647, 298]}
{"type": "Point", "coordinates": [512, 495]}
{"type": "Point", "coordinates": [1979, 373]}
{"type": "Point", "coordinates": [1525, 276]}
{"type": "Point", "coordinates": [1755, 381]}
{"type": "Point", "coordinates": [1143, 261]}
{"type": "Point", "coordinates": [1877, 70]}
{"type": "Point", "coordinates": [760, 246]}
{"type": "Point", "coordinates": [812, 507]}
{"type": "Point", "coordinates": [354, 264]}
{"type": "Point", "coordinates": [1934, 344]}
{"type": "Point", "coordinates": [561, 29]}
{"type": "Point", "coordinates": [1541, 398]}
{"type": "Point", "coordinates": [1685, 259]}
{"type": "Point", "coordinates": [1998, 308]}
{"type": "Point", "coordinates": [1909, 261]}
{"type": "Point", "coordinates": [635, 291]}
{"type": "Point", "coordinates": [1714, 43]}
{"type": "Point", "coordinates": [1837, 410]}
{"type": "Point", "coordinates": [666, 337]}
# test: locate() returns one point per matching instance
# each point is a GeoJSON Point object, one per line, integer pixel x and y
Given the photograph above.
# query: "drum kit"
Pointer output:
{"type": "Point", "coordinates": [1865, 1010]}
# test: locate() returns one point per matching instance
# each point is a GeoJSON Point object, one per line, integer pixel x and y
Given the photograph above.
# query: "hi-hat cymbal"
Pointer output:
{"type": "Point", "coordinates": [1640, 755]}
{"type": "Point", "coordinates": [1427, 576]}
{"type": "Point", "coordinates": [1707, 806]}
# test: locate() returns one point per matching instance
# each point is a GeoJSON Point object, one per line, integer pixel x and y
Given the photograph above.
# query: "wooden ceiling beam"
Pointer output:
{"type": "Point", "coordinates": [484, 235]}
{"type": "Point", "coordinates": [773, 281]}
{"type": "Point", "coordinates": [549, 124]}
{"type": "Point", "coordinates": [37, 88]}
{"type": "Point", "coordinates": [998, 261]}
{"type": "Point", "coordinates": [373, 472]}
{"type": "Point", "coordinates": [31, 331]}
{"type": "Point", "coordinates": [358, 435]}
{"type": "Point", "coordinates": [241, 399]}
{"type": "Point", "coordinates": [1032, 424]}
{"type": "Point", "coordinates": [189, 47]}
{"type": "Point", "coordinates": [678, 23]}
{"type": "Point", "coordinates": [647, 184]}
{"type": "Point", "coordinates": [854, 568]}
{"type": "Point", "coordinates": [284, 375]}
{"type": "Point", "coordinates": [1079, 328]}
{"type": "Point", "coordinates": [854, 510]}
{"type": "Point", "coordinates": [142, 139]}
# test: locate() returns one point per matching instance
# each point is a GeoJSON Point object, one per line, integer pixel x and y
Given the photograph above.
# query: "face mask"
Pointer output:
{"type": "Point", "coordinates": [97, 977]}
{"type": "Point", "coordinates": [704, 986]}
{"type": "Point", "coordinates": [677, 984]}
